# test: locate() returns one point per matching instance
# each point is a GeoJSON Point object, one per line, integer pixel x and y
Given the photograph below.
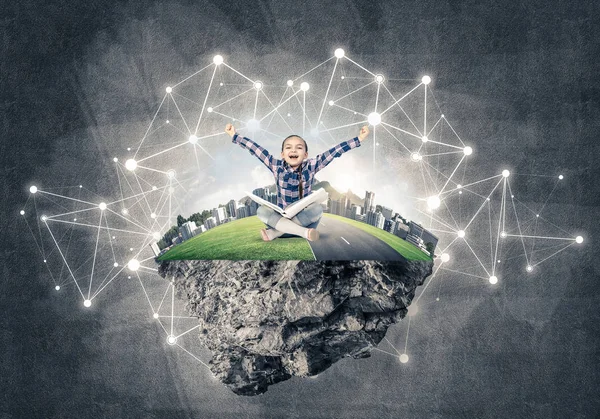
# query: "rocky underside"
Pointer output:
{"type": "Point", "coordinates": [266, 321]}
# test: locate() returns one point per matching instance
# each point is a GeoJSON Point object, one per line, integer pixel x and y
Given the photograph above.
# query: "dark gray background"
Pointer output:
{"type": "Point", "coordinates": [521, 79]}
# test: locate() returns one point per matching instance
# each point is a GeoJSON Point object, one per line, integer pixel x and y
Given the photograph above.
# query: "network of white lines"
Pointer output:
{"type": "Point", "coordinates": [475, 219]}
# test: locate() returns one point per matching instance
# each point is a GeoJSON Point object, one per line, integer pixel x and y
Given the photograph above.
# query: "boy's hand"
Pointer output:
{"type": "Point", "coordinates": [364, 133]}
{"type": "Point", "coordinates": [229, 129]}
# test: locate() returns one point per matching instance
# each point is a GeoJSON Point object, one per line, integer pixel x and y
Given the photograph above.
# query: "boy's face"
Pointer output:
{"type": "Point", "coordinates": [294, 151]}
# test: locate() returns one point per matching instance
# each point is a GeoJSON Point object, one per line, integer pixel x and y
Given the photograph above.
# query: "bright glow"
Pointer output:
{"type": "Point", "coordinates": [33, 189]}
{"type": "Point", "coordinates": [379, 78]}
{"type": "Point", "coordinates": [87, 303]}
{"type": "Point", "coordinates": [102, 205]}
{"type": "Point", "coordinates": [404, 358]}
{"type": "Point", "coordinates": [331, 102]}
{"type": "Point", "coordinates": [209, 109]}
{"type": "Point", "coordinates": [304, 86]}
{"type": "Point", "coordinates": [153, 215]}
{"type": "Point", "coordinates": [493, 279]}
{"type": "Point", "coordinates": [115, 159]}
{"type": "Point", "coordinates": [459, 186]}
{"type": "Point", "coordinates": [130, 165]}
{"type": "Point", "coordinates": [290, 83]}
{"type": "Point", "coordinates": [339, 53]}
{"type": "Point", "coordinates": [424, 139]}
{"type": "Point", "coordinates": [503, 234]}
{"type": "Point", "coordinates": [561, 177]}
{"type": "Point", "coordinates": [579, 239]}
{"type": "Point", "coordinates": [155, 315]}
{"type": "Point", "coordinates": [44, 218]}
{"type": "Point", "coordinates": [445, 257]}
{"type": "Point", "coordinates": [258, 85]}
{"type": "Point", "coordinates": [433, 202]}
{"type": "Point", "coordinates": [115, 264]}
{"type": "Point", "coordinates": [169, 89]}
{"type": "Point", "coordinates": [253, 125]}
{"type": "Point", "coordinates": [413, 309]}
{"type": "Point", "coordinates": [171, 340]}
{"type": "Point", "coordinates": [133, 265]}
{"type": "Point", "coordinates": [461, 233]}
{"type": "Point", "coordinates": [426, 80]}
{"type": "Point", "coordinates": [416, 157]}
{"type": "Point", "coordinates": [505, 173]}
{"type": "Point", "coordinates": [374, 118]}
{"type": "Point", "coordinates": [156, 235]}
{"type": "Point", "coordinates": [218, 60]}
{"type": "Point", "coordinates": [154, 187]}
{"type": "Point", "coordinates": [468, 151]}
{"type": "Point", "coordinates": [22, 212]}
{"type": "Point", "coordinates": [529, 268]}
{"type": "Point", "coordinates": [125, 211]}
{"type": "Point", "coordinates": [57, 288]}
{"type": "Point", "coordinates": [171, 174]}
{"type": "Point", "coordinates": [193, 139]}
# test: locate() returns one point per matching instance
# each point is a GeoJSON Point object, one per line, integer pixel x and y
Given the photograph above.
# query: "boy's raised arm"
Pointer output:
{"type": "Point", "coordinates": [323, 159]}
{"type": "Point", "coordinates": [261, 153]}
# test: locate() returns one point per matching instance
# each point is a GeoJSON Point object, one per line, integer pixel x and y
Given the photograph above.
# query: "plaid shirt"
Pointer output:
{"type": "Point", "coordinates": [288, 179]}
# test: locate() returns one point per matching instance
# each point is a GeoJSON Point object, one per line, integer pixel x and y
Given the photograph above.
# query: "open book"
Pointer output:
{"type": "Point", "coordinates": [291, 210]}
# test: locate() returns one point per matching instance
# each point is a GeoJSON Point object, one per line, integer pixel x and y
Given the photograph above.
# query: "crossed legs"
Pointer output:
{"type": "Point", "coordinates": [304, 224]}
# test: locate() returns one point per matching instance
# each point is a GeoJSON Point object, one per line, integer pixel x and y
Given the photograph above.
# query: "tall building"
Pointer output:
{"type": "Point", "coordinates": [187, 230]}
{"type": "Point", "coordinates": [232, 208]}
{"type": "Point", "coordinates": [387, 213]}
{"type": "Point", "coordinates": [421, 238]}
{"type": "Point", "coordinates": [252, 208]}
{"type": "Point", "coordinates": [210, 222]}
{"type": "Point", "coordinates": [355, 211]}
{"type": "Point", "coordinates": [155, 248]}
{"type": "Point", "coordinates": [260, 192]}
{"type": "Point", "coordinates": [242, 212]}
{"type": "Point", "coordinates": [369, 202]}
{"type": "Point", "coordinates": [375, 219]}
{"type": "Point", "coordinates": [219, 214]}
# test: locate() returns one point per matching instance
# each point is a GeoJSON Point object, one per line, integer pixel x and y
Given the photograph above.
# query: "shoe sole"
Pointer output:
{"type": "Point", "coordinates": [313, 235]}
{"type": "Point", "coordinates": [263, 233]}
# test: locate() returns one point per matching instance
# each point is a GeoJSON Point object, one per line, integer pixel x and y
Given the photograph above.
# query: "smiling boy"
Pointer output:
{"type": "Point", "coordinates": [294, 177]}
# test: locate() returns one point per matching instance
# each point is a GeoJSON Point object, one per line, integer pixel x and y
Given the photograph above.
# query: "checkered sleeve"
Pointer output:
{"type": "Point", "coordinates": [256, 150]}
{"type": "Point", "coordinates": [323, 159]}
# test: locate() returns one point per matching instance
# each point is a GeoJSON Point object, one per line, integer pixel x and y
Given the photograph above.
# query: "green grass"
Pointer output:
{"type": "Point", "coordinates": [239, 240]}
{"type": "Point", "coordinates": [401, 246]}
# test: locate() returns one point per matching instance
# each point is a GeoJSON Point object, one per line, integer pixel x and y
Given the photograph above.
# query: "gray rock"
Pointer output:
{"type": "Point", "coordinates": [266, 321]}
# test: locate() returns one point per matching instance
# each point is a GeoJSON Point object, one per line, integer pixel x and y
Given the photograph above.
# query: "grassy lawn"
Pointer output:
{"type": "Point", "coordinates": [401, 246]}
{"type": "Point", "coordinates": [239, 240]}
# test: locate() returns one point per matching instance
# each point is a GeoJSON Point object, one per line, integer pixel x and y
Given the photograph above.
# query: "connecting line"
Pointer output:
{"type": "Point", "coordinates": [234, 70]}
{"type": "Point", "coordinates": [425, 110]}
{"type": "Point", "coordinates": [547, 199]}
{"type": "Point", "coordinates": [393, 347]}
{"type": "Point", "coordinates": [344, 126]}
{"type": "Point", "coordinates": [385, 352]}
{"type": "Point", "coordinates": [64, 197]}
{"type": "Point", "coordinates": [540, 237]}
{"type": "Point", "coordinates": [518, 224]}
{"type": "Point", "coordinates": [107, 284]}
{"type": "Point", "coordinates": [476, 257]}
{"type": "Point", "coordinates": [276, 111]}
{"type": "Point", "coordinates": [351, 93]}
{"type": "Point", "coordinates": [396, 102]}
{"type": "Point", "coordinates": [205, 99]}
{"type": "Point", "coordinates": [203, 149]}
{"type": "Point", "coordinates": [396, 138]}
{"type": "Point", "coordinates": [144, 289]}
{"type": "Point", "coordinates": [163, 299]}
{"type": "Point", "coordinates": [172, 304]}
{"type": "Point", "coordinates": [65, 261]}
{"type": "Point", "coordinates": [314, 68]}
{"type": "Point", "coordinates": [441, 154]}
{"type": "Point", "coordinates": [463, 273]}
{"type": "Point", "coordinates": [163, 151]}
{"type": "Point", "coordinates": [400, 100]}
{"type": "Point", "coordinates": [453, 172]}
{"type": "Point", "coordinates": [187, 331]}
{"type": "Point", "coordinates": [407, 332]}
{"type": "Point", "coordinates": [193, 356]}
{"type": "Point", "coordinates": [555, 253]}
{"type": "Point", "coordinates": [180, 114]}
{"type": "Point", "coordinates": [281, 104]}
{"type": "Point", "coordinates": [327, 92]}
{"type": "Point", "coordinates": [91, 225]}
{"type": "Point", "coordinates": [233, 98]}
{"type": "Point", "coordinates": [434, 125]}
{"type": "Point", "coordinates": [359, 66]}
{"type": "Point", "coordinates": [95, 254]}
{"type": "Point", "coordinates": [482, 205]}
{"type": "Point", "coordinates": [150, 126]}
{"type": "Point", "coordinates": [423, 291]}
{"type": "Point", "coordinates": [457, 136]}
{"type": "Point", "coordinates": [401, 130]}
{"type": "Point", "coordinates": [500, 219]}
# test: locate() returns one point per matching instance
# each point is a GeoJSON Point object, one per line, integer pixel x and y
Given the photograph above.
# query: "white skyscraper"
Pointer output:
{"type": "Point", "coordinates": [219, 214]}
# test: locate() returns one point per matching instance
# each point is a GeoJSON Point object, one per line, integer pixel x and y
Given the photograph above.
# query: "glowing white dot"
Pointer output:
{"type": "Point", "coordinates": [529, 268]}
{"type": "Point", "coordinates": [258, 85]}
{"type": "Point", "coordinates": [171, 340]}
{"type": "Point", "coordinates": [445, 257]}
{"type": "Point", "coordinates": [74, 219]}
{"type": "Point", "coordinates": [468, 151]}
{"type": "Point", "coordinates": [437, 299]}
{"type": "Point", "coordinates": [45, 260]}
{"type": "Point", "coordinates": [459, 186]}
{"type": "Point", "coordinates": [102, 205]}
{"type": "Point", "coordinates": [22, 212]}
{"type": "Point", "coordinates": [493, 279]}
{"type": "Point", "coordinates": [461, 233]}
{"type": "Point", "coordinates": [128, 148]}
{"type": "Point", "coordinates": [433, 202]}
{"type": "Point", "coordinates": [168, 122]}
{"type": "Point", "coordinates": [44, 218]}
{"type": "Point", "coordinates": [171, 174]}
{"type": "Point", "coordinates": [57, 288]}
{"type": "Point", "coordinates": [155, 315]}
{"type": "Point", "coordinates": [413, 309]}
{"type": "Point", "coordinates": [374, 118]}
{"type": "Point", "coordinates": [290, 83]}
{"type": "Point", "coordinates": [561, 177]}
{"type": "Point", "coordinates": [209, 109]}
{"type": "Point", "coordinates": [87, 303]}
{"type": "Point", "coordinates": [113, 237]}
{"type": "Point", "coordinates": [339, 53]}
{"type": "Point", "coordinates": [125, 211]}
{"type": "Point", "coordinates": [579, 239]}
{"type": "Point", "coordinates": [154, 187]}
{"type": "Point", "coordinates": [503, 234]}
{"type": "Point", "coordinates": [304, 86]}
{"type": "Point", "coordinates": [424, 139]}
{"type": "Point", "coordinates": [130, 165]}
{"type": "Point", "coordinates": [289, 114]}
{"type": "Point", "coordinates": [512, 196]}
{"type": "Point", "coordinates": [169, 89]}
{"type": "Point", "coordinates": [133, 265]}
{"type": "Point", "coordinates": [426, 80]}
{"type": "Point", "coordinates": [331, 102]}
{"type": "Point", "coordinates": [81, 186]}
{"type": "Point", "coordinates": [218, 60]}
{"type": "Point", "coordinates": [537, 215]}
{"type": "Point", "coordinates": [253, 125]}
{"type": "Point", "coordinates": [377, 143]}
{"type": "Point", "coordinates": [156, 235]}
{"type": "Point", "coordinates": [379, 78]}
{"type": "Point", "coordinates": [343, 77]}
{"type": "Point", "coordinates": [33, 189]}
{"type": "Point", "coordinates": [416, 156]}
{"type": "Point", "coordinates": [505, 173]}
{"type": "Point", "coordinates": [193, 139]}
{"type": "Point", "coordinates": [115, 264]}
{"type": "Point", "coordinates": [221, 84]}
{"type": "Point", "coordinates": [404, 358]}
{"type": "Point", "coordinates": [443, 116]}
{"type": "Point", "coordinates": [153, 215]}
{"type": "Point", "coordinates": [115, 159]}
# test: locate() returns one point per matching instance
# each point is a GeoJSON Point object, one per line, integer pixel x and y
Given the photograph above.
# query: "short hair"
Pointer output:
{"type": "Point", "coordinates": [294, 135]}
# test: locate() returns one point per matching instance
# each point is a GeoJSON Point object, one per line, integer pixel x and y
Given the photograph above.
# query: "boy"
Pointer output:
{"type": "Point", "coordinates": [294, 176]}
